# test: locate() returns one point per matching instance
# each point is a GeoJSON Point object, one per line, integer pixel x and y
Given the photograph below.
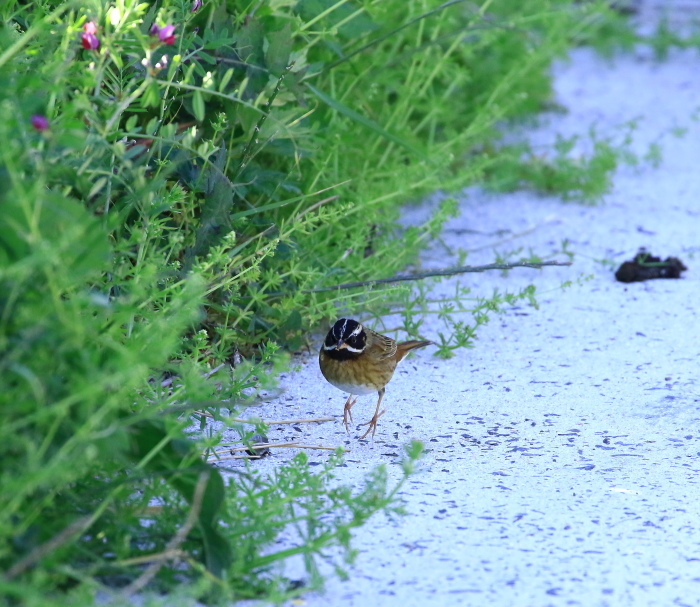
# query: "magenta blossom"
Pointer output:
{"type": "Point", "coordinates": [166, 34]}
{"type": "Point", "coordinates": [90, 42]}
{"type": "Point", "coordinates": [88, 38]}
{"type": "Point", "coordinates": [40, 123]}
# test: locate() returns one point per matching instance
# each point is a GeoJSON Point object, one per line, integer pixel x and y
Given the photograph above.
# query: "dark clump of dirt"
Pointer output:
{"type": "Point", "coordinates": [258, 442]}
{"type": "Point", "coordinates": [645, 266]}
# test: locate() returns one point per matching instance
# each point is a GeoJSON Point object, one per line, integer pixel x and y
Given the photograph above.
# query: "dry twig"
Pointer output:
{"type": "Point", "coordinates": [76, 527]}
{"type": "Point", "coordinates": [444, 272]}
{"type": "Point", "coordinates": [281, 422]}
{"type": "Point", "coordinates": [216, 457]}
{"type": "Point", "coordinates": [172, 547]}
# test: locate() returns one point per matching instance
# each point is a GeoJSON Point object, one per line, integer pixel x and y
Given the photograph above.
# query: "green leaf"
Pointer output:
{"type": "Point", "coordinates": [225, 79]}
{"type": "Point", "coordinates": [250, 41]}
{"type": "Point", "coordinates": [364, 121]}
{"type": "Point", "coordinates": [65, 229]}
{"type": "Point", "coordinates": [131, 123]}
{"type": "Point", "coordinates": [97, 187]}
{"type": "Point", "coordinates": [198, 105]}
{"type": "Point", "coordinates": [151, 96]}
{"type": "Point", "coordinates": [278, 50]}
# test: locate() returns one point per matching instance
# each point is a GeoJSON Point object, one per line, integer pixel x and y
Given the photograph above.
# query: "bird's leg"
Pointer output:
{"type": "Point", "coordinates": [347, 415]}
{"type": "Point", "coordinates": [372, 423]}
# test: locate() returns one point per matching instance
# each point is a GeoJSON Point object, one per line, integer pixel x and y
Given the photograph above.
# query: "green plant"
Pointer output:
{"type": "Point", "coordinates": [178, 185]}
{"type": "Point", "coordinates": [583, 178]}
{"type": "Point", "coordinates": [610, 31]}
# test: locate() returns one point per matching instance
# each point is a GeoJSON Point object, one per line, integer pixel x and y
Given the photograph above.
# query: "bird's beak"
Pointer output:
{"type": "Point", "coordinates": [340, 345]}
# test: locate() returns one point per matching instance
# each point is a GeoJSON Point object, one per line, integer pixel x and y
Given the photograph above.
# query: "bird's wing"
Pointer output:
{"type": "Point", "coordinates": [386, 347]}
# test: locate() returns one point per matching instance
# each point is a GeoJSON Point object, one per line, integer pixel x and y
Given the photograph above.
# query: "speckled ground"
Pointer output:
{"type": "Point", "coordinates": [562, 464]}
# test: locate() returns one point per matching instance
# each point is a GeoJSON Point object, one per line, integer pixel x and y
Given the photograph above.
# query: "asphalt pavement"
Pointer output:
{"type": "Point", "coordinates": [563, 449]}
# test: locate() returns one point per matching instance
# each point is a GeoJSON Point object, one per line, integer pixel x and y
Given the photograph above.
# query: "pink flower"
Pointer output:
{"type": "Point", "coordinates": [166, 34]}
{"type": "Point", "coordinates": [39, 122]}
{"type": "Point", "coordinates": [196, 5]}
{"type": "Point", "coordinates": [88, 38]}
{"type": "Point", "coordinates": [90, 41]}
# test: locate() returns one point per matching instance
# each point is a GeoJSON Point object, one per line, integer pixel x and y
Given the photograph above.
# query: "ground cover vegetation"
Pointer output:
{"type": "Point", "coordinates": [180, 184]}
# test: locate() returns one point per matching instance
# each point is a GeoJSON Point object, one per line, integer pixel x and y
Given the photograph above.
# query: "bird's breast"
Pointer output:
{"type": "Point", "coordinates": [362, 375]}
{"type": "Point", "coordinates": [352, 388]}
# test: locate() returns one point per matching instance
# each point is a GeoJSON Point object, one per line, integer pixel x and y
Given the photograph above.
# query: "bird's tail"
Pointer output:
{"type": "Point", "coordinates": [405, 347]}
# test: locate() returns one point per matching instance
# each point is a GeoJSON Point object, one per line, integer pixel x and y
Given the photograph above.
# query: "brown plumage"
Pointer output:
{"type": "Point", "coordinates": [360, 361]}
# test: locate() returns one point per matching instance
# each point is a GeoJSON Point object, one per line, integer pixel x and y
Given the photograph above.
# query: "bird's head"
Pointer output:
{"type": "Point", "coordinates": [346, 335]}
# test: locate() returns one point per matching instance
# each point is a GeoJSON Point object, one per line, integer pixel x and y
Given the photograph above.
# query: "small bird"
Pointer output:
{"type": "Point", "coordinates": [360, 361]}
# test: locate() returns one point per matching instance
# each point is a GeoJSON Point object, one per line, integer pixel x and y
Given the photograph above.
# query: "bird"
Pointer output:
{"type": "Point", "coordinates": [357, 360]}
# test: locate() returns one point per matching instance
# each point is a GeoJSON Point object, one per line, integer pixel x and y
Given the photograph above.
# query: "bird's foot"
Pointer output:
{"type": "Point", "coordinates": [347, 413]}
{"type": "Point", "coordinates": [372, 423]}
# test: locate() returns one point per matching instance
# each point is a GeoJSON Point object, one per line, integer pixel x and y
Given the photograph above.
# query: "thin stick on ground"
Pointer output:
{"type": "Point", "coordinates": [289, 445]}
{"type": "Point", "coordinates": [216, 455]}
{"type": "Point", "coordinates": [277, 422]}
{"type": "Point", "coordinates": [229, 457]}
{"type": "Point", "coordinates": [283, 422]}
{"type": "Point", "coordinates": [443, 272]}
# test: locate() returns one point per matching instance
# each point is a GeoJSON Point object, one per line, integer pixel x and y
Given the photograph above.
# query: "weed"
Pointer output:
{"type": "Point", "coordinates": [568, 172]}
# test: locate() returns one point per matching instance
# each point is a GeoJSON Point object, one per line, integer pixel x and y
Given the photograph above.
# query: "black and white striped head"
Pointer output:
{"type": "Point", "coordinates": [346, 339]}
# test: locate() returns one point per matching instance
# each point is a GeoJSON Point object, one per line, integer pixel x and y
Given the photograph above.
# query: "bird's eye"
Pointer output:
{"type": "Point", "coordinates": [357, 339]}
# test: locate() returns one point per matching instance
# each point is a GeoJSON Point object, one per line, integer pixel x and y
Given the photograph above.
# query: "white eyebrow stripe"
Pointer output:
{"type": "Point", "coordinates": [339, 334]}
{"type": "Point", "coordinates": [357, 331]}
{"type": "Point", "coordinates": [348, 348]}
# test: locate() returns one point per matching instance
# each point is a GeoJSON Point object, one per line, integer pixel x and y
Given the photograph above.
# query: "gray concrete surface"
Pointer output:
{"type": "Point", "coordinates": [562, 464]}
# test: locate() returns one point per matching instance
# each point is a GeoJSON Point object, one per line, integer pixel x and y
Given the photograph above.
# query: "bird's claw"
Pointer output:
{"type": "Point", "coordinates": [347, 413]}
{"type": "Point", "coordinates": [372, 423]}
